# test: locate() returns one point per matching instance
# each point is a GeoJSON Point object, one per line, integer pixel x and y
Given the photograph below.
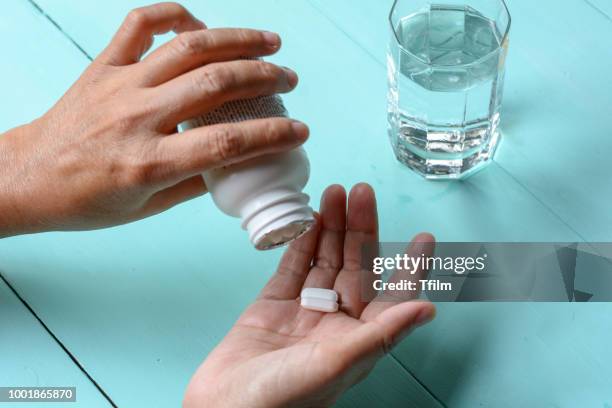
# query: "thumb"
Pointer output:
{"type": "Point", "coordinates": [379, 335]}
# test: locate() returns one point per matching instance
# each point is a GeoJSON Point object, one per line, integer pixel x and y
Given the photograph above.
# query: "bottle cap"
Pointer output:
{"type": "Point", "coordinates": [277, 218]}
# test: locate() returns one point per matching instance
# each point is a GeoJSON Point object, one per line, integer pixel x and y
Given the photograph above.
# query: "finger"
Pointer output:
{"type": "Point", "coordinates": [289, 278]}
{"type": "Point", "coordinates": [362, 228]}
{"type": "Point", "coordinates": [196, 150]}
{"type": "Point", "coordinates": [185, 190]}
{"type": "Point", "coordinates": [422, 245]}
{"type": "Point", "coordinates": [193, 49]}
{"type": "Point", "coordinates": [376, 337]}
{"type": "Point", "coordinates": [208, 87]}
{"type": "Point", "coordinates": [328, 256]}
{"type": "Point", "coordinates": [135, 36]}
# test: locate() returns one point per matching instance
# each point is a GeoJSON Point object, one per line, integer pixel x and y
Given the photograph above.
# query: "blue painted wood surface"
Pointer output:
{"type": "Point", "coordinates": [29, 356]}
{"type": "Point", "coordinates": [135, 303]}
{"type": "Point", "coordinates": [603, 6]}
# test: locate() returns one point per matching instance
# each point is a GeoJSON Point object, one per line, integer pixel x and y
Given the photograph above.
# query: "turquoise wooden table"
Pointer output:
{"type": "Point", "coordinates": [126, 314]}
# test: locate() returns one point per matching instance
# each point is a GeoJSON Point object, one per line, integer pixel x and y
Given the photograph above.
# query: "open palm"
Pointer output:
{"type": "Point", "coordinates": [279, 354]}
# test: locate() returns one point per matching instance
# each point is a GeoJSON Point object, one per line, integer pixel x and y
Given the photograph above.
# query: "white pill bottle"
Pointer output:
{"type": "Point", "coordinates": [265, 192]}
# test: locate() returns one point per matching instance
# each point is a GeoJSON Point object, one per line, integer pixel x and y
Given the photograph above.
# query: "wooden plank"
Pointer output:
{"type": "Point", "coordinates": [29, 357]}
{"type": "Point", "coordinates": [367, 25]}
{"type": "Point", "coordinates": [603, 6]}
{"type": "Point", "coordinates": [387, 386]}
{"type": "Point", "coordinates": [515, 355]}
{"type": "Point", "coordinates": [557, 112]}
{"type": "Point", "coordinates": [38, 64]}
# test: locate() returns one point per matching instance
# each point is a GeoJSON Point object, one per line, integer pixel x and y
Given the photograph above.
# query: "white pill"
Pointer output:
{"type": "Point", "coordinates": [322, 300]}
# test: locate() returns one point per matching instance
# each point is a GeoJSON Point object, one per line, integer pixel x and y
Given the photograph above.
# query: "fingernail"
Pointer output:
{"type": "Point", "coordinates": [425, 316]}
{"type": "Point", "coordinates": [272, 39]}
{"type": "Point", "coordinates": [300, 129]}
{"type": "Point", "coordinates": [292, 78]}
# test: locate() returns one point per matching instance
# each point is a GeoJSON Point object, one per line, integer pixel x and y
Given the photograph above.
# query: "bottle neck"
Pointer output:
{"type": "Point", "coordinates": [276, 217]}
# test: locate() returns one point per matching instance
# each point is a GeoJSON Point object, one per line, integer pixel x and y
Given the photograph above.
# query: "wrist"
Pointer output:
{"type": "Point", "coordinates": [15, 217]}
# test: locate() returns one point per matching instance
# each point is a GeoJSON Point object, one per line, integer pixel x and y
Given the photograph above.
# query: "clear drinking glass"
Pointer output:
{"type": "Point", "coordinates": [446, 77]}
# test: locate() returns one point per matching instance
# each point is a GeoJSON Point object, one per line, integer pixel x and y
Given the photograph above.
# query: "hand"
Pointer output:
{"type": "Point", "coordinates": [279, 354]}
{"type": "Point", "coordinates": [108, 152]}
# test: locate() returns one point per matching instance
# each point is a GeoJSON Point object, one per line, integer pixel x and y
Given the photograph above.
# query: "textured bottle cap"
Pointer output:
{"type": "Point", "coordinates": [246, 109]}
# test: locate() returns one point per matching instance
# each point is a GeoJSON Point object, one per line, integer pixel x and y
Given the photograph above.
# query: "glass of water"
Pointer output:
{"type": "Point", "coordinates": [446, 77]}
